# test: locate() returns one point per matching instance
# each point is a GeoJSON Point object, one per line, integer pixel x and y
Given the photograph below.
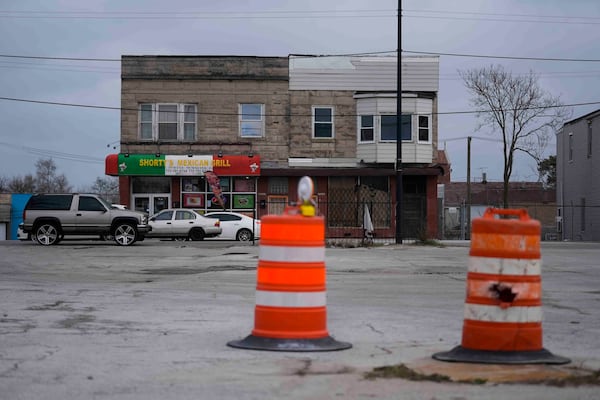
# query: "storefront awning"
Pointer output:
{"type": "Point", "coordinates": [180, 165]}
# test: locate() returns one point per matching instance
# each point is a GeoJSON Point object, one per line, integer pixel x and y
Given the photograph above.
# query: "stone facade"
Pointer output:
{"type": "Point", "coordinates": [217, 85]}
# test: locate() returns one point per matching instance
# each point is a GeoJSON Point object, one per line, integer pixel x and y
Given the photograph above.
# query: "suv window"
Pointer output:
{"type": "Point", "coordinates": [50, 202]}
{"type": "Point", "coordinates": [87, 203]}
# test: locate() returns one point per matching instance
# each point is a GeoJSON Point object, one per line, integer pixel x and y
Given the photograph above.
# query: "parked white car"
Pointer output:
{"type": "Point", "coordinates": [236, 226]}
{"type": "Point", "coordinates": [182, 223]}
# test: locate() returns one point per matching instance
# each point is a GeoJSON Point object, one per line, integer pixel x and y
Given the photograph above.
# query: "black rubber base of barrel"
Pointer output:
{"type": "Point", "coordinates": [252, 342]}
{"type": "Point", "coordinates": [461, 354]}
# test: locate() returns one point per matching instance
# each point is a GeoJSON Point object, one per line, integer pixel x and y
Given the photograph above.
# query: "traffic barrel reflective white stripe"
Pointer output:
{"type": "Point", "coordinates": [505, 266]}
{"type": "Point", "coordinates": [290, 299]}
{"type": "Point", "coordinates": [503, 306]}
{"type": "Point", "coordinates": [487, 313]}
{"type": "Point", "coordinates": [299, 254]}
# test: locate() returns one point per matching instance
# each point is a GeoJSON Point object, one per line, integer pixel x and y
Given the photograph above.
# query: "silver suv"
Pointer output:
{"type": "Point", "coordinates": [49, 217]}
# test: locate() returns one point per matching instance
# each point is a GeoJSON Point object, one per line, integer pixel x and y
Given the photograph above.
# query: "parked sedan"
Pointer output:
{"type": "Point", "coordinates": [182, 223]}
{"type": "Point", "coordinates": [236, 226]}
{"type": "Point", "coordinates": [21, 235]}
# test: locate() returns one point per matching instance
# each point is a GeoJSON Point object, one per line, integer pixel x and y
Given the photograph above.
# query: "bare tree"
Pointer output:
{"type": "Point", "coordinates": [107, 187]}
{"type": "Point", "coordinates": [46, 179]}
{"type": "Point", "coordinates": [4, 181]}
{"type": "Point", "coordinates": [516, 107]}
{"type": "Point", "coordinates": [25, 184]}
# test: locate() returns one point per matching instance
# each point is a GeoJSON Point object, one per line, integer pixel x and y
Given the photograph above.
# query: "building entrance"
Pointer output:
{"type": "Point", "coordinates": [151, 203]}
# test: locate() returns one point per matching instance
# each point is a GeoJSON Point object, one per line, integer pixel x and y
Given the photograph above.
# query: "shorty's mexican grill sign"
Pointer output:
{"type": "Point", "coordinates": [177, 165]}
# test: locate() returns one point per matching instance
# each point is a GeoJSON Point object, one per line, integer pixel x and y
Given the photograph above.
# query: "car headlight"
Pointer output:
{"type": "Point", "coordinates": [144, 220]}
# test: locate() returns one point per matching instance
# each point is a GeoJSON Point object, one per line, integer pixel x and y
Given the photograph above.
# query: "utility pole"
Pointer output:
{"type": "Point", "coordinates": [399, 183]}
{"type": "Point", "coordinates": [468, 211]}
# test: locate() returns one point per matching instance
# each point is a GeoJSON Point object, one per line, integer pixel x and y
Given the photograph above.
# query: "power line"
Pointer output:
{"type": "Point", "coordinates": [55, 154]}
{"type": "Point", "coordinates": [503, 20]}
{"type": "Point", "coordinates": [276, 115]}
{"type": "Point", "coordinates": [503, 57]}
{"type": "Point", "coordinates": [224, 15]}
{"type": "Point", "coordinates": [501, 14]}
{"type": "Point", "coordinates": [357, 54]}
{"type": "Point", "coordinates": [301, 14]}
{"type": "Point", "coordinates": [59, 58]}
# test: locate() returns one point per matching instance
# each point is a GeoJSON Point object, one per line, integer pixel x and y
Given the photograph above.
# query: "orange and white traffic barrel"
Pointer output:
{"type": "Point", "coordinates": [290, 311]}
{"type": "Point", "coordinates": [503, 307]}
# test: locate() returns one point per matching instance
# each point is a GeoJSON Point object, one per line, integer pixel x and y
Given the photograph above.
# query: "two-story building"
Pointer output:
{"type": "Point", "coordinates": [261, 123]}
{"type": "Point", "coordinates": [578, 178]}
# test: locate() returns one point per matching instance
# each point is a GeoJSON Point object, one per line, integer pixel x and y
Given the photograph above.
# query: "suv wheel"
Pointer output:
{"type": "Point", "coordinates": [47, 233]}
{"type": "Point", "coordinates": [125, 234]}
{"type": "Point", "coordinates": [197, 234]}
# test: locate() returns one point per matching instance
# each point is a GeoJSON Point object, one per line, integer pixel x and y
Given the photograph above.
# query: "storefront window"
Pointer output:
{"type": "Point", "coordinates": [193, 184]}
{"type": "Point", "coordinates": [151, 184]}
{"type": "Point", "coordinates": [237, 194]}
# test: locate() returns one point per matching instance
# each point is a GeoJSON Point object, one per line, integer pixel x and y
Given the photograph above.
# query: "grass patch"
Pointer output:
{"type": "Point", "coordinates": [591, 379]}
{"type": "Point", "coordinates": [403, 372]}
{"type": "Point", "coordinates": [429, 242]}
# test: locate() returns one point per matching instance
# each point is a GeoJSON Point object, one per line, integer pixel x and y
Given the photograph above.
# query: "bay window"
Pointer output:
{"type": "Point", "coordinates": [387, 127]}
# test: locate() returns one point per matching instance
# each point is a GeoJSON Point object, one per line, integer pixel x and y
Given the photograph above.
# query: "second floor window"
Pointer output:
{"type": "Point", "coordinates": [388, 127]}
{"type": "Point", "coordinates": [168, 122]}
{"type": "Point", "coordinates": [322, 122]}
{"type": "Point", "coordinates": [252, 118]}
{"type": "Point", "coordinates": [367, 128]}
{"type": "Point", "coordinates": [424, 128]}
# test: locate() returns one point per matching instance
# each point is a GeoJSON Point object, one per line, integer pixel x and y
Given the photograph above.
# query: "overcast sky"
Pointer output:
{"type": "Point", "coordinates": [79, 139]}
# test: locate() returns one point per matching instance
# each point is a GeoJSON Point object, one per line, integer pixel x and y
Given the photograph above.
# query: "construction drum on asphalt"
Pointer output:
{"type": "Point", "coordinates": [503, 307]}
{"type": "Point", "coordinates": [290, 312]}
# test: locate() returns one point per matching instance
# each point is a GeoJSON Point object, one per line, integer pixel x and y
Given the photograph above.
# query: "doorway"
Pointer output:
{"type": "Point", "coordinates": [151, 203]}
{"type": "Point", "coordinates": [150, 194]}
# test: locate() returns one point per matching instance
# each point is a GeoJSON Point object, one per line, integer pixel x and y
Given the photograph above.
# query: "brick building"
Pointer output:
{"type": "Point", "coordinates": [261, 123]}
{"type": "Point", "coordinates": [539, 201]}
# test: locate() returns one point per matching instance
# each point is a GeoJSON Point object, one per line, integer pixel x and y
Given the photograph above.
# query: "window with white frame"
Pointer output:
{"type": "Point", "coordinates": [424, 128]}
{"type": "Point", "coordinates": [322, 122]}
{"type": "Point", "coordinates": [252, 117]}
{"type": "Point", "coordinates": [168, 122]}
{"type": "Point", "coordinates": [366, 125]}
{"type": "Point", "coordinates": [387, 127]}
{"type": "Point", "coordinates": [146, 121]}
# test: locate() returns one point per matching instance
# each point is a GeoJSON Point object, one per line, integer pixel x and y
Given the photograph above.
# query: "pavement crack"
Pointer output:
{"type": "Point", "coordinates": [560, 307]}
{"type": "Point", "coordinates": [7, 372]}
{"type": "Point", "coordinates": [388, 351]}
{"type": "Point", "coordinates": [305, 368]}
{"type": "Point", "coordinates": [374, 330]}
{"type": "Point", "coordinates": [191, 271]}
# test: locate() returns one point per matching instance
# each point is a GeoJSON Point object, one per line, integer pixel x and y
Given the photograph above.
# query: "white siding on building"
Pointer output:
{"type": "Point", "coordinates": [385, 152]}
{"type": "Point", "coordinates": [363, 73]}
{"type": "Point", "coordinates": [577, 177]}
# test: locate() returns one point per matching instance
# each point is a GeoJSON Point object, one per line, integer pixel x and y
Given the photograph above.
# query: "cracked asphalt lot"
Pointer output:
{"type": "Point", "coordinates": [92, 320]}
